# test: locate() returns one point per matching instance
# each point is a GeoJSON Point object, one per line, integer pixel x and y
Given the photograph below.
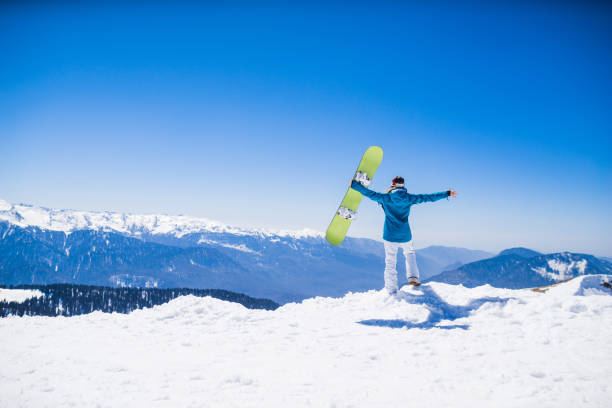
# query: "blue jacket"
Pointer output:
{"type": "Point", "coordinates": [397, 205]}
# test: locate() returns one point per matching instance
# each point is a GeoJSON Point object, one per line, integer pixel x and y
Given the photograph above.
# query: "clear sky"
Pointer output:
{"type": "Point", "coordinates": [258, 116]}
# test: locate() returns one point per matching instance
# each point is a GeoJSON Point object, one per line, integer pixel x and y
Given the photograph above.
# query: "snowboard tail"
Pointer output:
{"type": "Point", "coordinates": [336, 232]}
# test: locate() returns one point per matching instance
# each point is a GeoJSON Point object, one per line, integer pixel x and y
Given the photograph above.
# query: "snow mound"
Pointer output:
{"type": "Point", "coordinates": [25, 215]}
{"type": "Point", "coordinates": [437, 345]}
{"type": "Point", "coordinates": [193, 310]}
{"type": "Point", "coordinates": [18, 295]}
{"type": "Point", "coordinates": [588, 285]}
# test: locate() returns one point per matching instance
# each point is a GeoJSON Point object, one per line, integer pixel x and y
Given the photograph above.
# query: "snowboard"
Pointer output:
{"type": "Point", "coordinates": [347, 211]}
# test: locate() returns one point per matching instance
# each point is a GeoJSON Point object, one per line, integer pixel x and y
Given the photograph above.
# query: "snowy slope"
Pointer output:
{"type": "Point", "coordinates": [441, 345]}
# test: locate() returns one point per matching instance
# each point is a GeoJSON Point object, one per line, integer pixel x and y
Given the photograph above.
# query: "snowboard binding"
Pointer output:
{"type": "Point", "coordinates": [362, 178]}
{"type": "Point", "coordinates": [346, 213]}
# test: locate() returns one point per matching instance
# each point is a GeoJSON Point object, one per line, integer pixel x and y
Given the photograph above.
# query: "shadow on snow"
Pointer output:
{"type": "Point", "coordinates": [439, 310]}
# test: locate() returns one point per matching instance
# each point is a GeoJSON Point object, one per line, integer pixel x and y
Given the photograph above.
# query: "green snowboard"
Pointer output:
{"type": "Point", "coordinates": [348, 207]}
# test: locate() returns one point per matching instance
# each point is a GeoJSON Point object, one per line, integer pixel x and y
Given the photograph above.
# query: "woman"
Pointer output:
{"type": "Point", "coordinates": [396, 203]}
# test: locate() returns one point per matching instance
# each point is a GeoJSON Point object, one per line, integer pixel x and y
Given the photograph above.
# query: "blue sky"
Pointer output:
{"type": "Point", "coordinates": [257, 116]}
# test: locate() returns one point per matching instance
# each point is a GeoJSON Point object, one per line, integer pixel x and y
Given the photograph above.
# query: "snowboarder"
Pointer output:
{"type": "Point", "coordinates": [396, 203]}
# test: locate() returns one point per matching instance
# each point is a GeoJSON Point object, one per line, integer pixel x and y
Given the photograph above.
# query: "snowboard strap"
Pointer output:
{"type": "Point", "coordinates": [347, 213]}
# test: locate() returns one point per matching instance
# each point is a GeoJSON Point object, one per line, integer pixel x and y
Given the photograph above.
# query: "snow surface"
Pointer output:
{"type": "Point", "coordinates": [241, 247]}
{"type": "Point", "coordinates": [4, 206]}
{"type": "Point", "coordinates": [439, 345]}
{"type": "Point", "coordinates": [561, 270]}
{"type": "Point", "coordinates": [18, 295]}
{"type": "Point", "coordinates": [25, 215]}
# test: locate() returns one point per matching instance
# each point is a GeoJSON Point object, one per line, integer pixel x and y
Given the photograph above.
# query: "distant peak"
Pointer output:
{"type": "Point", "coordinates": [520, 251]}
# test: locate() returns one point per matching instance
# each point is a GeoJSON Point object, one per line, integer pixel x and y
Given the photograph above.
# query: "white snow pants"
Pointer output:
{"type": "Point", "coordinates": [412, 270]}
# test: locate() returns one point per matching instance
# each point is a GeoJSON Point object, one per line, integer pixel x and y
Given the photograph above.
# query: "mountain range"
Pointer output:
{"type": "Point", "coordinates": [518, 268]}
{"type": "Point", "coordinates": [39, 245]}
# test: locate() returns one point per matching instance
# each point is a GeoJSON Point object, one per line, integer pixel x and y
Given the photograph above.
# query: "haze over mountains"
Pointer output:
{"type": "Point", "coordinates": [40, 245]}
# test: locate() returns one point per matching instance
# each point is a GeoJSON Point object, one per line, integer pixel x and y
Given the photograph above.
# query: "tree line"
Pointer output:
{"type": "Point", "coordinates": [72, 300]}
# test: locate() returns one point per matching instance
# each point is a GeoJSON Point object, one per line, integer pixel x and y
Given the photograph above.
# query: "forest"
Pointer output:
{"type": "Point", "coordinates": [72, 300]}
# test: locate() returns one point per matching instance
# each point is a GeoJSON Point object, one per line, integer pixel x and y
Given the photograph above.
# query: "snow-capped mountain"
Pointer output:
{"type": "Point", "coordinates": [435, 346]}
{"type": "Point", "coordinates": [524, 268]}
{"type": "Point", "coordinates": [40, 245]}
{"type": "Point", "coordinates": [25, 215]}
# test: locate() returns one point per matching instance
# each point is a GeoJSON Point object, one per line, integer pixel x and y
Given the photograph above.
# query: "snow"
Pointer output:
{"type": "Point", "coordinates": [241, 247]}
{"type": "Point", "coordinates": [25, 215]}
{"type": "Point", "coordinates": [439, 345]}
{"type": "Point", "coordinates": [18, 295]}
{"type": "Point", "coordinates": [561, 270]}
{"type": "Point", "coordinates": [4, 206]}
{"type": "Point", "coordinates": [564, 269]}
